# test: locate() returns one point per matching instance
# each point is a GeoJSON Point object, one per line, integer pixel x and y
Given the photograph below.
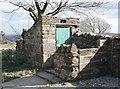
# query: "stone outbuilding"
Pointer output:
{"type": "Point", "coordinates": [42, 39]}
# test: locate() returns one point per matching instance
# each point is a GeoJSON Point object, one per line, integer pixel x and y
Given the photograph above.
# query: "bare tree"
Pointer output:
{"type": "Point", "coordinates": [88, 25]}
{"type": "Point", "coordinates": [94, 25]}
{"type": "Point", "coordinates": [102, 26]}
{"type": "Point", "coordinates": [37, 8]}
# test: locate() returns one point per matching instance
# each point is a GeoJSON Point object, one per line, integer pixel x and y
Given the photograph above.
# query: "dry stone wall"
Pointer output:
{"type": "Point", "coordinates": [32, 44]}
{"type": "Point", "coordinates": [73, 63]}
{"type": "Point", "coordinates": [82, 64]}
{"type": "Point", "coordinates": [66, 62]}
{"type": "Point", "coordinates": [89, 62]}
{"type": "Point", "coordinates": [115, 58]}
{"type": "Point", "coordinates": [85, 40]}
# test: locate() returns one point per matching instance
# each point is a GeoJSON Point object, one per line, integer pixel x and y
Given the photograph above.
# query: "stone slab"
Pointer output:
{"type": "Point", "coordinates": [53, 72]}
{"type": "Point", "coordinates": [49, 77]}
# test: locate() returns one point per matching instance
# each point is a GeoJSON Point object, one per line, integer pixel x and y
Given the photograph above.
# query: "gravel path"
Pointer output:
{"type": "Point", "coordinates": [105, 81]}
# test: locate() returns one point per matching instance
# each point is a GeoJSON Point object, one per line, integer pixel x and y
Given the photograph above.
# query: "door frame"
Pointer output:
{"type": "Point", "coordinates": [62, 27]}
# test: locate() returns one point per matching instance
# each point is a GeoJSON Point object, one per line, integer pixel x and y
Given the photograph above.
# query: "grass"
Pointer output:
{"type": "Point", "coordinates": [8, 78]}
{"type": "Point", "coordinates": [15, 69]}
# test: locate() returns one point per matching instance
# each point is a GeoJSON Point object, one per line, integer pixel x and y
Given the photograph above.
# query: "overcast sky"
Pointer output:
{"type": "Point", "coordinates": [12, 23]}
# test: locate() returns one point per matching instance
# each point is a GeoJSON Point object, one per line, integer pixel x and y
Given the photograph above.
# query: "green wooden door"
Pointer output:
{"type": "Point", "coordinates": [62, 36]}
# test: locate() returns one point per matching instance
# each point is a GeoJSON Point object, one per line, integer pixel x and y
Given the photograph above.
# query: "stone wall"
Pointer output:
{"type": "Point", "coordinates": [89, 62]}
{"type": "Point", "coordinates": [115, 57]}
{"type": "Point", "coordinates": [49, 47]}
{"type": "Point", "coordinates": [66, 62]}
{"type": "Point", "coordinates": [39, 41]}
{"type": "Point", "coordinates": [49, 25]}
{"type": "Point", "coordinates": [93, 63]}
{"type": "Point", "coordinates": [47, 20]}
{"type": "Point", "coordinates": [32, 44]}
{"type": "Point", "coordinates": [86, 40]}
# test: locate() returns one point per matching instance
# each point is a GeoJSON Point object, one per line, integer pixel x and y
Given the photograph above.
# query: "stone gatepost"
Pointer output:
{"type": "Point", "coordinates": [66, 62]}
{"type": "Point", "coordinates": [75, 61]}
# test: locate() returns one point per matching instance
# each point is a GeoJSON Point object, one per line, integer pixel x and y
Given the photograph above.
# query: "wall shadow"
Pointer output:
{"type": "Point", "coordinates": [95, 62]}
{"type": "Point", "coordinates": [50, 61]}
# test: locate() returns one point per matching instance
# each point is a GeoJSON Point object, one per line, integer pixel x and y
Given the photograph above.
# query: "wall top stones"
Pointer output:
{"type": "Point", "coordinates": [60, 21]}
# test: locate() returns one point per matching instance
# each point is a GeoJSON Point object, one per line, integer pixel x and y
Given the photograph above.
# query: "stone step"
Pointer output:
{"type": "Point", "coordinates": [49, 77]}
{"type": "Point", "coordinates": [52, 71]}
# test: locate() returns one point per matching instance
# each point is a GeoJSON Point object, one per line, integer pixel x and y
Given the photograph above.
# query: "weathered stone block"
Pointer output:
{"type": "Point", "coordinates": [88, 51]}
{"type": "Point", "coordinates": [74, 49]}
{"type": "Point", "coordinates": [101, 42]}
{"type": "Point", "coordinates": [85, 59]}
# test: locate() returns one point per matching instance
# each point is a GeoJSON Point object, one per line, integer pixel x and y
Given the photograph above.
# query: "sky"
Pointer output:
{"type": "Point", "coordinates": [13, 23]}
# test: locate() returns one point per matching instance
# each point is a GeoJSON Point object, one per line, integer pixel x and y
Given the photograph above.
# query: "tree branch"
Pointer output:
{"type": "Point", "coordinates": [58, 9]}
{"type": "Point", "coordinates": [45, 6]}
{"type": "Point", "coordinates": [78, 11]}
{"type": "Point", "coordinates": [54, 8]}
{"type": "Point", "coordinates": [12, 10]}
{"type": "Point", "coordinates": [38, 7]}
{"type": "Point", "coordinates": [32, 17]}
{"type": "Point", "coordinates": [20, 5]}
{"type": "Point", "coordinates": [86, 4]}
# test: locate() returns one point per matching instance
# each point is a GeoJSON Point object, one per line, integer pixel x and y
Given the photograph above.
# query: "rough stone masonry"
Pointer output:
{"type": "Point", "coordinates": [90, 63]}
{"type": "Point", "coordinates": [39, 42]}
{"type": "Point", "coordinates": [66, 62]}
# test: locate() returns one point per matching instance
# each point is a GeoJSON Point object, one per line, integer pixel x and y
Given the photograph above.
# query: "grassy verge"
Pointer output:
{"type": "Point", "coordinates": [17, 71]}
{"type": "Point", "coordinates": [8, 78]}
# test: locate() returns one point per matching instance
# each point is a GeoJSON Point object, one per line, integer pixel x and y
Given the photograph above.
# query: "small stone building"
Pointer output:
{"type": "Point", "coordinates": [42, 39]}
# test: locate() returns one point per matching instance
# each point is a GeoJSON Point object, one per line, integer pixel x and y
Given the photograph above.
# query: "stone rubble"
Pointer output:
{"type": "Point", "coordinates": [66, 62]}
